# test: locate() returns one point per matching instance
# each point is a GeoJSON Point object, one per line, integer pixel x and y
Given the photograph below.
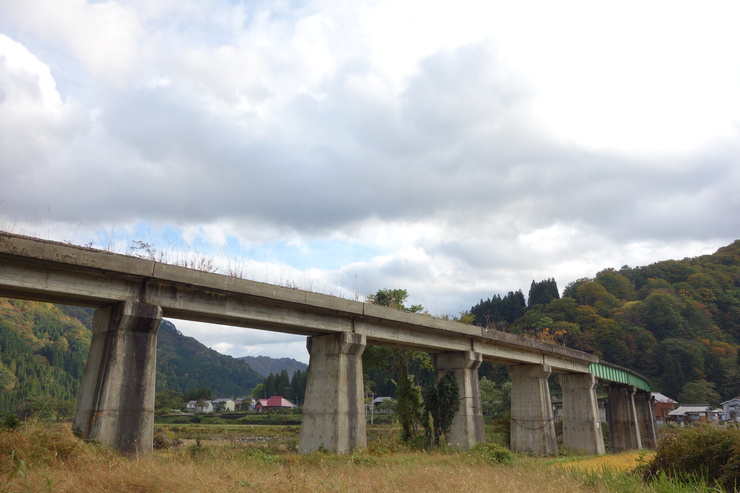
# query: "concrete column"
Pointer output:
{"type": "Point", "coordinates": [334, 410]}
{"type": "Point", "coordinates": [467, 425]}
{"type": "Point", "coordinates": [624, 432]}
{"type": "Point", "coordinates": [116, 404]}
{"type": "Point", "coordinates": [532, 427]}
{"type": "Point", "coordinates": [645, 407]}
{"type": "Point", "coordinates": [581, 423]}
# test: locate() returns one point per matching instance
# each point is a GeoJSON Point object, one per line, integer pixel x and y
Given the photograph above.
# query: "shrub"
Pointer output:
{"type": "Point", "coordinates": [166, 439]}
{"type": "Point", "coordinates": [10, 422]}
{"type": "Point", "coordinates": [493, 452]}
{"type": "Point", "coordinates": [705, 452]}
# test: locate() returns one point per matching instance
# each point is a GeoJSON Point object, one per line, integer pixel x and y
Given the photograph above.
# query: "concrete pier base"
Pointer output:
{"type": "Point", "coordinates": [581, 424]}
{"type": "Point", "coordinates": [467, 425]}
{"type": "Point", "coordinates": [334, 410]}
{"type": "Point", "coordinates": [532, 427]}
{"type": "Point", "coordinates": [624, 431]}
{"type": "Point", "coordinates": [116, 403]}
{"type": "Point", "coordinates": [645, 408]}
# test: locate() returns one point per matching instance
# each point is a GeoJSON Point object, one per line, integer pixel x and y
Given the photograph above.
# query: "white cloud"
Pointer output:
{"type": "Point", "coordinates": [102, 35]}
{"type": "Point", "coordinates": [344, 148]}
{"type": "Point", "coordinates": [35, 123]}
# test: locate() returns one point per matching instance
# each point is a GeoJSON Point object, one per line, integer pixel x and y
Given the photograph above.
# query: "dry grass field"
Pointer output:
{"type": "Point", "coordinates": [41, 458]}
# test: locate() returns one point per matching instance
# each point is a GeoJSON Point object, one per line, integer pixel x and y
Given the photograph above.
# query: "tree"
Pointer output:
{"type": "Point", "coordinates": [616, 284]}
{"type": "Point", "coordinates": [393, 298]}
{"type": "Point", "coordinates": [258, 392]}
{"type": "Point", "coordinates": [662, 315]}
{"type": "Point", "coordinates": [408, 394]}
{"type": "Point", "coordinates": [541, 293]}
{"type": "Point", "coordinates": [199, 394]}
{"type": "Point", "coordinates": [408, 407]}
{"type": "Point", "coordinates": [699, 392]}
{"type": "Point", "coordinates": [169, 399]}
{"type": "Point", "coordinates": [298, 386]}
{"type": "Point", "coordinates": [270, 387]}
{"type": "Point", "coordinates": [282, 383]}
{"type": "Point", "coordinates": [440, 405]}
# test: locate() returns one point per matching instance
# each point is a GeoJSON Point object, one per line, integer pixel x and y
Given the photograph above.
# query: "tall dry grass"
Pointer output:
{"type": "Point", "coordinates": [57, 461]}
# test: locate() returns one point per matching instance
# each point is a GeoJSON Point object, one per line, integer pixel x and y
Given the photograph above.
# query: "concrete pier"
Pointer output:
{"type": "Point", "coordinates": [334, 410]}
{"type": "Point", "coordinates": [621, 414]}
{"type": "Point", "coordinates": [532, 427]}
{"type": "Point", "coordinates": [581, 423]}
{"type": "Point", "coordinates": [116, 403]}
{"type": "Point", "coordinates": [467, 425]}
{"type": "Point", "coordinates": [644, 406]}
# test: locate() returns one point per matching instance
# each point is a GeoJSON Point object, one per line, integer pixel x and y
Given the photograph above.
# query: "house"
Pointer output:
{"type": "Point", "coordinates": [383, 404]}
{"type": "Point", "coordinates": [662, 406]}
{"type": "Point", "coordinates": [692, 414]}
{"type": "Point", "coordinates": [274, 402]}
{"type": "Point", "coordinates": [224, 405]}
{"type": "Point", "coordinates": [731, 409]}
{"type": "Point", "coordinates": [204, 407]}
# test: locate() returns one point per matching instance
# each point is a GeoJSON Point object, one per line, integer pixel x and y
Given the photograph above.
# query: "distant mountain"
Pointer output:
{"type": "Point", "coordinates": [264, 365]}
{"type": "Point", "coordinates": [44, 347]}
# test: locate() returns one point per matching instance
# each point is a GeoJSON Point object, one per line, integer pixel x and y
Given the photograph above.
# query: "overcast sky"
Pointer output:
{"type": "Point", "coordinates": [457, 150]}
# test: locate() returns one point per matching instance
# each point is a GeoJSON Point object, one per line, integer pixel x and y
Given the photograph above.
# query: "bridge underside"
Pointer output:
{"type": "Point", "coordinates": [116, 404]}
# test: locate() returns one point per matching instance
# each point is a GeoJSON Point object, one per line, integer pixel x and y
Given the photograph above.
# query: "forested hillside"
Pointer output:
{"type": "Point", "coordinates": [677, 322]}
{"type": "Point", "coordinates": [44, 347]}
{"type": "Point", "coordinates": [42, 355]}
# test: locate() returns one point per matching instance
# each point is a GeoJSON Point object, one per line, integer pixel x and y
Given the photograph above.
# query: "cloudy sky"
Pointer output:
{"type": "Point", "coordinates": [456, 150]}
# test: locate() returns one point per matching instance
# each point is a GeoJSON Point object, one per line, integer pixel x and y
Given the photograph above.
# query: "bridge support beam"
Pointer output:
{"type": "Point", "coordinates": [532, 427]}
{"type": "Point", "coordinates": [334, 410]}
{"type": "Point", "coordinates": [581, 423]}
{"type": "Point", "coordinates": [621, 414]}
{"type": "Point", "coordinates": [467, 425]}
{"type": "Point", "coordinates": [116, 403]}
{"type": "Point", "coordinates": [645, 407]}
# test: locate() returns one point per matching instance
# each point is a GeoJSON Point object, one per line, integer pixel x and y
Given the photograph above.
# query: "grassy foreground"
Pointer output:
{"type": "Point", "coordinates": [38, 457]}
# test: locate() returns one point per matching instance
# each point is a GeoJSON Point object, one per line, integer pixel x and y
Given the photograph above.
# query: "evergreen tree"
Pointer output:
{"type": "Point", "coordinates": [541, 293]}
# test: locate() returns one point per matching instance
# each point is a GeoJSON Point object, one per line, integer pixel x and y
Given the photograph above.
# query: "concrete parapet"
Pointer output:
{"type": "Point", "coordinates": [621, 414]}
{"type": "Point", "coordinates": [467, 425]}
{"type": "Point", "coordinates": [581, 424]}
{"type": "Point", "coordinates": [334, 410]}
{"type": "Point", "coordinates": [116, 403]}
{"type": "Point", "coordinates": [645, 408]}
{"type": "Point", "coordinates": [532, 427]}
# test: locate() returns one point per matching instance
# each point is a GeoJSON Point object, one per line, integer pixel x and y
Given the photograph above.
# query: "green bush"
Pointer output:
{"type": "Point", "coordinates": [706, 452]}
{"type": "Point", "coordinates": [493, 452]}
{"type": "Point", "coordinates": [10, 422]}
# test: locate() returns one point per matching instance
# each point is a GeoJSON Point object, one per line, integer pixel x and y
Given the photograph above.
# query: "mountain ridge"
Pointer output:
{"type": "Point", "coordinates": [264, 365]}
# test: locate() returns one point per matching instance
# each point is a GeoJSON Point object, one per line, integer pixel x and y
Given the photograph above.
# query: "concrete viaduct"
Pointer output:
{"type": "Point", "coordinates": [131, 295]}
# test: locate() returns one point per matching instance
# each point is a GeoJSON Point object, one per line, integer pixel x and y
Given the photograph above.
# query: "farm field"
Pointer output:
{"type": "Point", "coordinates": [216, 458]}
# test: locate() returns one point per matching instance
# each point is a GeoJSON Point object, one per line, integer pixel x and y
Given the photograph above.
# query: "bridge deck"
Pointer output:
{"type": "Point", "coordinates": [49, 271]}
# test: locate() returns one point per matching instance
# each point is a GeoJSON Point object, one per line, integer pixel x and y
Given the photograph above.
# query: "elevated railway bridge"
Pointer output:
{"type": "Point", "coordinates": [131, 295]}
